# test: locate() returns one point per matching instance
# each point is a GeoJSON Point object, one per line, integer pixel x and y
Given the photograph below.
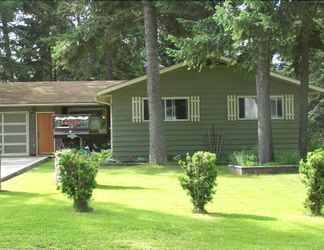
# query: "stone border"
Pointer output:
{"type": "Point", "coordinates": [259, 170]}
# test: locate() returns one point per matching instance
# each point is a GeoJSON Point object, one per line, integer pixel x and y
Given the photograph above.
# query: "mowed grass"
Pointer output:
{"type": "Point", "coordinates": [144, 207]}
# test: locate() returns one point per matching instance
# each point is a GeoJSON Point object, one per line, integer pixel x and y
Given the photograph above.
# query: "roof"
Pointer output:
{"type": "Point", "coordinates": [180, 65]}
{"type": "Point", "coordinates": [52, 93]}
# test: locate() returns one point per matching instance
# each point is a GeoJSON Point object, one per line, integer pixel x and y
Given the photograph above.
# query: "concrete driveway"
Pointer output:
{"type": "Point", "coordinates": [14, 166]}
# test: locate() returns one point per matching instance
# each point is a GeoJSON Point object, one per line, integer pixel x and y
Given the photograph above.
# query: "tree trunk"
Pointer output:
{"type": "Point", "coordinates": [263, 101]}
{"type": "Point", "coordinates": [7, 50]}
{"type": "Point", "coordinates": [109, 65]}
{"type": "Point", "coordinates": [158, 153]}
{"type": "Point", "coordinates": [303, 73]}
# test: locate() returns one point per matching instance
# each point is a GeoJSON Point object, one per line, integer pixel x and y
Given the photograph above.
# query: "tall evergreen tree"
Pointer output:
{"type": "Point", "coordinates": [157, 144]}
{"type": "Point", "coordinates": [244, 31]}
{"type": "Point", "coordinates": [8, 11]}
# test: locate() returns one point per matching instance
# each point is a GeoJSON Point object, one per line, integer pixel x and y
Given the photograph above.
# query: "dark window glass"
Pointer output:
{"type": "Point", "coordinates": [181, 109]}
{"type": "Point", "coordinates": [241, 108]}
{"type": "Point", "coordinates": [146, 111]}
{"type": "Point", "coordinates": [279, 107]}
{"type": "Point", "coordinates": [168, 109]}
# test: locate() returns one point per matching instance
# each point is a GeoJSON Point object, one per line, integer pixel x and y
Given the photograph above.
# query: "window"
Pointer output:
{"type": "Point", "coordinates": [173, 109]}
{"type": "Point", "coordinates": [146, 113]}
{"type": "Point", "coordinates": [146, 110]}
{"type": "Point", "coordinates": [248, 107]}
{"type": "Point", "coordinates": [176, 109]}
{"type": "Point", "coordinates": [277, 107]}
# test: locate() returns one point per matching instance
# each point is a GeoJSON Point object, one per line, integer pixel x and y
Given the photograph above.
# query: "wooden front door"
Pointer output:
{"type": "Point", "coordinates": [45, 138]}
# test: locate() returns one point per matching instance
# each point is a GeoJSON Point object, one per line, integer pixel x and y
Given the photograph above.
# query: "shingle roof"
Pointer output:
{"type": "Point", "coordinates": [180, 65]}
{"type": "Point", "coordinates": [52, 92]}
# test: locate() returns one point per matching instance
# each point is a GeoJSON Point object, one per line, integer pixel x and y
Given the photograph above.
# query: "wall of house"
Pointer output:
{"type": "Point", "coordinates": [130, 140]}
{"type": "Point", "coordinates": [32, 121]}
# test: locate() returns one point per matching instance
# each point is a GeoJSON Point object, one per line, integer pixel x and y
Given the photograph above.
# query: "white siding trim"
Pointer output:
{"type": "Point", "coordinates": [137, 109]}
{"type": "Point", "coordinates": [289, 107]}
{"type": "Point", "coordinates": [232, 107]}
{"type": "Point", "coordinates": [194, 108]}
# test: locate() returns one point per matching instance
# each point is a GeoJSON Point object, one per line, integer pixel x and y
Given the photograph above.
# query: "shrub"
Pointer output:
{"type": "Point", "coordinates": [286, 157]}
{"type": "Point", "coordinates": [312, 172]}
{"type": "Point", "coordinates": [102, 156]}
{"type": "Point", "coordinates": [245, 158]}
{"type": "Point", "coordinates": [199, 177]}
{"type": "Point", "coordinates": [77, 177]}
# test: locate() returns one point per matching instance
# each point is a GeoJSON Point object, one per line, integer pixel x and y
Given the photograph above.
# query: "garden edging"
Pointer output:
{"type": "Point", "coordinates": [257, 170]}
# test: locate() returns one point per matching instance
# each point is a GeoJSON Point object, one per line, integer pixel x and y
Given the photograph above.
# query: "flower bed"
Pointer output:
{"type": "Point", "coordinates": [257, 170]}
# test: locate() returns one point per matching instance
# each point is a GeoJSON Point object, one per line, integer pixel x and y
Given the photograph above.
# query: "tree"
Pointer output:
{"type": "Point", "coordinates": [307, 38]}
{"type": "Point", "coordinates": [157, 145]}
{"type": "Point", "coordinates": [253, 26]}
{"type": "Point", "coordinates": [98, 44]}
{"type": "Point", "coordinates": [243, 31]}
{"type": "Point", "coordinates": [7, 16]}
{"type": "Point", "coordinates": [301, 45]}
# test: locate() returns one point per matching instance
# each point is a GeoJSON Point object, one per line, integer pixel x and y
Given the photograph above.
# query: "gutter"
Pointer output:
{"type": "Point", "coordinates": [49, 104]}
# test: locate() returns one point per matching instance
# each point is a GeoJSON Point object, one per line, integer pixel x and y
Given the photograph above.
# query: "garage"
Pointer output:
{"type": "Point", "coordinates": [27, 110]}
{"type": "Point", "coordinates": [14, 133]}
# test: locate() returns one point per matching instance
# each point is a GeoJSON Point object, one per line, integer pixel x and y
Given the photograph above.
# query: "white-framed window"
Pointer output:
{"type": "Point", "coordinates": [248, 110]}
{"type": "Point", "coordinates": [176, 108]}
{"type": "Point", "coordinates": [247, 107]}
{"type": "Point", "coordinates": [173, 109]}
{"type": "Point", "coordinates": [277, 107]}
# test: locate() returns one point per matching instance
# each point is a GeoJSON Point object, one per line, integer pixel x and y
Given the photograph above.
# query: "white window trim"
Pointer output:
{"type": "Point", "coordinates": [164, 103]}
{"type": "Point", "coordinates": [253, 96]}
{"type": "Point", "coordinates": [176, 98]}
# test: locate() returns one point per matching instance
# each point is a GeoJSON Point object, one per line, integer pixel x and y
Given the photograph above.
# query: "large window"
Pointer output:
{"type": "Point", "coordinates": [173, 109]}
{"type": "Point", "coordinates": [248, 109]}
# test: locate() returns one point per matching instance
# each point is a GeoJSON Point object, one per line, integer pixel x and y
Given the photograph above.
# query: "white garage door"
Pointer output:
{"type": "Point", "coordinates": [14, 133]}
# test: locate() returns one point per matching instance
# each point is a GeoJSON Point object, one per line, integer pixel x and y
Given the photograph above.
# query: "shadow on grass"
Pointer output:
{"type": "Point", "coordinates": [144, 169]}
{"type": "Point", "coordinates": [12, 196]}
{"type": "Point", "coordinates": [115, 187]}
{"type": "Point", "coordinates": [241, 216]}
{"type": "Point", "coordinates": [123, 226]}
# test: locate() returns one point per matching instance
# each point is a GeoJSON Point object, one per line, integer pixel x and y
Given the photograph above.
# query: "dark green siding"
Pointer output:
{"type": "Point", "coordinates": [130, 140]}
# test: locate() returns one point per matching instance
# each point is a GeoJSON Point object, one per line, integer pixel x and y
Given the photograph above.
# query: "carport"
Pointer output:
{"type": "Point", "coordinates": [14, 166]}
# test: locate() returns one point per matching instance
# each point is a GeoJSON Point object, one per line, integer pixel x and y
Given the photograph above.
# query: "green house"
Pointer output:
{"type": "Point", "coordinates": [214, 109]}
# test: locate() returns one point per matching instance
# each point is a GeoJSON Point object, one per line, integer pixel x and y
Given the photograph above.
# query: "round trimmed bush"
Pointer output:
{"type": "Point", "coordinates": [199, 179]}
{"type": "Point", "coordinates": [312, 172]}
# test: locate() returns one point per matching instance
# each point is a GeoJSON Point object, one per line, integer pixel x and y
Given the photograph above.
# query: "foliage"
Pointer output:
{"type": "Point", "coordinates": [316, 124]}
{"type": "Point", "coordinates": [249, 158]}
{"type": "Point", "coordinates": [286, 157]}
{"type": "Point", "coordinates": [244, 158]}
{"type": "Point", "coordinates": [312, 172]}
{"type": "Point", "coordinates": [101, 156]}
{"type": "Point", "coordinates": [77, 177]}
{"type": "Point", "coordinates": [199, 178]}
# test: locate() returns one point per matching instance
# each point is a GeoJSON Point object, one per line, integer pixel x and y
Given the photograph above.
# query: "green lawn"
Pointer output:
{"type": "Point", "coordinates": [143, 207]}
